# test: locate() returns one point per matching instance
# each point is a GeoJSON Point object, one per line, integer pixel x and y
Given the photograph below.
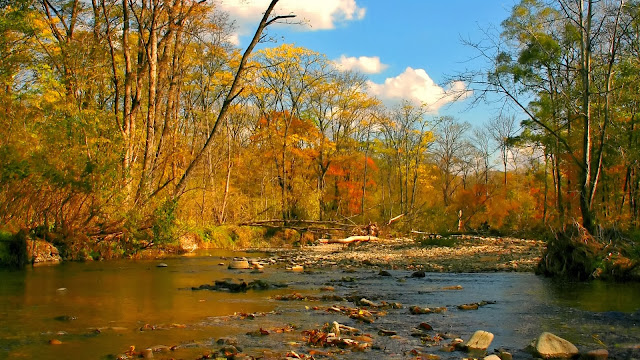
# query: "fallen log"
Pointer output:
{"type": "Point", "coordinates": [349, 240]}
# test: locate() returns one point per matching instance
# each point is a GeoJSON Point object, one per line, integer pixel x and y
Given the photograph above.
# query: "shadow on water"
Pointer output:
{"type": "Point", "coordinates": [102, 308]}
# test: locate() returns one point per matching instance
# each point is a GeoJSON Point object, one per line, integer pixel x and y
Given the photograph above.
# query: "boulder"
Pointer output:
{"type": "Point", "coordinates": [550, 346]}
{"type": "Point", "coordinates": [480, 341]}
{"type": "Point", "coordinates": [40, 251]}
{"type": "Point", "coordinates": [492, 357]}
{"type": "Point", "coordinates": [239, 264]}
{"type": "Point", "coordinates": [188, 243]}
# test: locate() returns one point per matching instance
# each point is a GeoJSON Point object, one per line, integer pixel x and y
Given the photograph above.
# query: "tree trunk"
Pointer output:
{"type": "Point", "coordinates": [231, 95]}
{"type": "Point", "coordinates": [585, 72]}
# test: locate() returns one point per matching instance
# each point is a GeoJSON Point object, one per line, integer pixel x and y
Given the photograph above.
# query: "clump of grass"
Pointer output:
{"type": "Point", "coordinates": [232, 237]}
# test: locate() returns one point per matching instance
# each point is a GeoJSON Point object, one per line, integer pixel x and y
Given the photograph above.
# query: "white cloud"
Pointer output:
{"type": "Point", "coordinates": [416, 85]}
{"type": "Point", "coordinates": [316, 15]}
{"type": "Point", "coordinates": [366, 64]}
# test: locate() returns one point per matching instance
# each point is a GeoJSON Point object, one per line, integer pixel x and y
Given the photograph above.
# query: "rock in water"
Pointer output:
{"type": "Point", "coordinates": [239, 264]}
{"type": "Point", "coordinates": [492, 357]}
{"type": "Point", "coordinates": [161, 265]}
{"type": "Point", "coordinates": [480, 341]}
{"type": "Point", "coordinates": [550, 346]}
{"type": "Point", "coordinates": [146, 354]}
{"type": "Point", "coordinates": [419, 274]}
{"type": "Point", "coordinates": [600, 354]}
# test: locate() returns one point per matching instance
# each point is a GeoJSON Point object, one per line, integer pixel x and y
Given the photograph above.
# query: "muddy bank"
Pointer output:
{"type": "Point", "coordinates": [464, 254]}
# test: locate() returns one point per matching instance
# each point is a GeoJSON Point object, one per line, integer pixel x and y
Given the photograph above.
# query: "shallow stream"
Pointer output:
{"type": "Point", "coordinates": [97, 310]}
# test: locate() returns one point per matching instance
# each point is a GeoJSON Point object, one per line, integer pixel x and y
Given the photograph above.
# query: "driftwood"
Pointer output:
{"type": "Point", "coordinates": [349, 240]}
{"type": "Point", "coordinates": [394, 219]}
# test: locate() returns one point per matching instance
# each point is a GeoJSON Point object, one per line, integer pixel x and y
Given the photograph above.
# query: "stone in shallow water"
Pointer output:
{"type": "Point", "coordinates": [239, 264]}
{"type": "Point", "coordinates": [550, 346]}
{"type": "Point", "coordinates": [600, 354]}
{"type": "Point", "coordinates": [480, 340]}
{"type": "Point", "coordinates": [162, 265]}
{"type": "Point", "coordinates": [492, 357]}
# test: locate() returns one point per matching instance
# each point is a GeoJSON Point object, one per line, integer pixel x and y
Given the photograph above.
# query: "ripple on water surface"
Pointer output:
{"type": "Point", "coordinates": [109, 306]}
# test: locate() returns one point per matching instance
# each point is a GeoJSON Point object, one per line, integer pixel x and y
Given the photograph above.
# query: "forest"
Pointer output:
{"type": "Point", "coordinates": [140, 120]}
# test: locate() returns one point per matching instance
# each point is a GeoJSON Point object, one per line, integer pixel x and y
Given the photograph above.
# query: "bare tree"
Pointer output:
{"type": "Point", "coordinates": [502, 129]}
{"type": "Point", "coordinates": [447, 151]}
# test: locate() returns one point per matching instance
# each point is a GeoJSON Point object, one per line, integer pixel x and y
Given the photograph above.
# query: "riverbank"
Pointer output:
{"type": "Point", "coordinates": [461, 253]}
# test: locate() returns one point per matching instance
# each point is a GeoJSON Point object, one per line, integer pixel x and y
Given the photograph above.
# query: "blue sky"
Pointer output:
{"type": "Point", "coordinates": [407, 48]}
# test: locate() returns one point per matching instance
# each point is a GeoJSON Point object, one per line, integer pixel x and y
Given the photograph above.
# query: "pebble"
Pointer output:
{"type": "Point", "coordinates": [162, 265]}
{"type": "Point", "coordinates": [384, 332]}
{"type": "Point", "coordinates": [55, 342]}
{"type": "Point", "coordinates": [600, 354]}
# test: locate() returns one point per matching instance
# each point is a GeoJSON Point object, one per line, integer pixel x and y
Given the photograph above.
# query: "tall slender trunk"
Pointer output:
{"type": "Point", "coordinates": [152, 60]}
{"type": "Point", "coordinates": [586, 176]}
{"type": "Point", "coordinates": [228, 177]}
{"type": "Point", "coordinates": [128, 124]}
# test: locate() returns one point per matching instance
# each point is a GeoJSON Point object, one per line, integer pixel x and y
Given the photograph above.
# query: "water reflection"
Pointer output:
{"type": "Point", "coordinates": [596, 296]}
{"type": "Point", "coordinates": [121, 297]}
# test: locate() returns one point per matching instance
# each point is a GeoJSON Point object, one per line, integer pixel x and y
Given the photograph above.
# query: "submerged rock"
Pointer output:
{"type": "Point", "coordinates": [550, 346]}
{"type": "Point", "coordinates": [600, 354]}
{"type": "Point", "coordinates": [234, 287]}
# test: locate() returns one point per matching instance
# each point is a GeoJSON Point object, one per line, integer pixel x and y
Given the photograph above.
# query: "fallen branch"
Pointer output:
{"type": "Point", "coordinates": [349, 240]}
{"type": "Point", "coordinates": [393, 219]}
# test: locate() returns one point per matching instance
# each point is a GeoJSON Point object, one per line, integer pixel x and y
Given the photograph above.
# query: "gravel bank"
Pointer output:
{"type": "Point", "coordinates": [468, 254]}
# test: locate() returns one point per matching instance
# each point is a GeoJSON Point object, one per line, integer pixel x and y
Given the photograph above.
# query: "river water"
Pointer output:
{"type": "Point", "coordinates": [99, 309]}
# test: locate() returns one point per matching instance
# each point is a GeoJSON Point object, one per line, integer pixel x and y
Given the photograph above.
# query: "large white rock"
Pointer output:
{"type": "Point", "coordinates": [550, 346]}
{"type": "Point", "coordinates": [480, 340]}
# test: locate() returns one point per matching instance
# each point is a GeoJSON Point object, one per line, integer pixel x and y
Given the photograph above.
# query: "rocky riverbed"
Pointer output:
{"type": "Point", "coordinates": [462, 254]}
{"type": "Point", "coordinates": [453, 298]}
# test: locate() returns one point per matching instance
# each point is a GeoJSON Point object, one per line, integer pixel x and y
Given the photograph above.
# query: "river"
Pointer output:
{"type": "Point", "coordinates": [97, 310]}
